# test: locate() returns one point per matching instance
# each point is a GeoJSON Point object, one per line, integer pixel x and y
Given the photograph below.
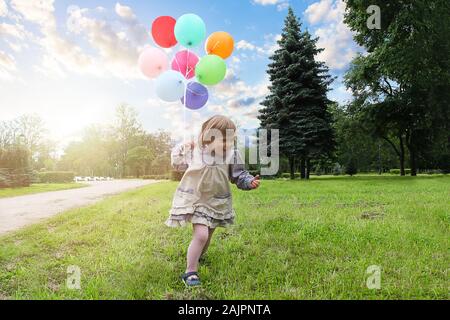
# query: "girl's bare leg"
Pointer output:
{"type": "Point", "coordinates": [205, 248]}
{"type": "Point", "coordinates": [199, 239]}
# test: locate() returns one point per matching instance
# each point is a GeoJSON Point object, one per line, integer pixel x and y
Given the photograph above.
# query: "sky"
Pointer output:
{"type": "Point", "coordinates": [72, 62]}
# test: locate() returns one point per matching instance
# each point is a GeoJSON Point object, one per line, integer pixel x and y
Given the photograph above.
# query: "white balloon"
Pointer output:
{"type": "Point", "coordinates": [170, 86]}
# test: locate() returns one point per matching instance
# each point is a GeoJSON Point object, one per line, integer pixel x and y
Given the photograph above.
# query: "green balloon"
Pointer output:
{"type": "Point", "coordinates": [190, 30]}
{"type": "Point", "coordinates": [210, 70]}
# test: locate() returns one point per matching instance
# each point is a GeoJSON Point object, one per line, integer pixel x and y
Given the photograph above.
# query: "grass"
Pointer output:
{"type": "Point", "coordinates": [291, 240]}
{"type": "Point", "coordinates": [37, 188]}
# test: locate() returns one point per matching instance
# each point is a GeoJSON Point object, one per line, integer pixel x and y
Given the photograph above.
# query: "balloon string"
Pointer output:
{"type": "Point", "coordinates": [187, 65]}
{"type": "Point", "coordinates": [184, 120]}
{"type": "Point", "coordinates": [178, 64]}
{"type": "Point", "coordinates": [188, 68]}
{"type": "Point", "coordinates": [196, 93]}
{"type": "Point", "coordinates": [215, 45]}
{"type": "Point", "coordinates": [185, 98]}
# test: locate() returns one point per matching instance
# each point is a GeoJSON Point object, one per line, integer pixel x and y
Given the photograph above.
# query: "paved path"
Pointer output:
{"type": "Point", "coordinates": [17, 212]}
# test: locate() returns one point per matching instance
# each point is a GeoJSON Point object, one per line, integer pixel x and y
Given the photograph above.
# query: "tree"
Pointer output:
{"type": "Point", "coordinates": [354, 138]}
{"type": "Point", "coordinates": [121, 149]}
{"type": "Point", "coordinates": [90, 156]}
{"type": "Point", "coordinates": [126, 131]}
{"type": "Point", "coordinates": [297, 101]}
{"type": "Point", "coordinates": [32, 130]}
{"type": "Point", "coordinates": [402, 83]}
{"type": "Point", "coordinates": [14, 166]}
{"type": "Point", "coordinates": [138, 159]}
{"type": "Point", "coordinates": [29, 131]}
{"type": "Point", "coordinates": [351, 167]}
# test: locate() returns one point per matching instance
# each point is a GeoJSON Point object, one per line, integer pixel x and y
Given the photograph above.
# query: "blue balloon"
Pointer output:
{"type": "Point", "coordinates": [190, 30]}
{"type": "Point", "coordinates": [170, 86]}
{"type": "Point", "coordinates": [196, 96]}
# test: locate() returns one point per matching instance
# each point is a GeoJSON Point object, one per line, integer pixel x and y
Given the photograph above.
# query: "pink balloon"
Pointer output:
{"type": "Point", "coordinates": [185, 62]}
{"type": "Point", "coordinates": [153, 62]}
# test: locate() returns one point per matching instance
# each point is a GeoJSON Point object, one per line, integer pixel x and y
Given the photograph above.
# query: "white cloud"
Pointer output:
{"type": "Point", "coordinates": [40, 12]}
{"type": "Point", "coordinates": [268, 48]}
{"type": "Point", "coordinates": [245, 45]}
{"type": "Point", "coordinates": [117, 44]}
{"type": "Point", "coordinates": [13, 30]}
{"type": "Point", "coordinates": [66, 53]}
{"type": "Point", "coordinates": [267, 2]}
{"type": "Point", "coordinates": [56, 48]}
{"type": "Point", "coordinates": [281, 4]}
{"type": "Point", "coordinates": [237, 98]}
{"type": "Point", "coordinates": [14, 46]}
{"type": "Point", "coordinates": [7, 66]}
{"type": "Point", "coordinates": [7, 61]}
{"type": "Point", "coordinates": [3, 8]}
{"type": "Point", "coordinates": [334, 35]}
{"type": "Point", "coordinates": [319, 11]}
{"type": "Point", "coordinates": [50, 67]}
{"type": "Point", "coordinates": [112, 43]}
{"type": "Point", "coordinates": [271, 43]}
{"type": "Point", "coordinates": [124, 11]}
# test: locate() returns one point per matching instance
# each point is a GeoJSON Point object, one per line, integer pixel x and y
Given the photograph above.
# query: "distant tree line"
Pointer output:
{"type": "Point", "coordinates": [122, 149]}
{"type": "Point", "coordinates": [23, 148]}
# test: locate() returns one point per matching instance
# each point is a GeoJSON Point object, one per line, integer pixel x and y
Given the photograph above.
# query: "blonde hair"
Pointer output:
{"type": "Point", "coordinates": [217, 122]}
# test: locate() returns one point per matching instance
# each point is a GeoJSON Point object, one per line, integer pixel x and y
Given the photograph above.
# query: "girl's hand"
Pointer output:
{"type": "Point", "coordinates": [189, 145]}
{"type": "Point", "coordinates": [255, 183]}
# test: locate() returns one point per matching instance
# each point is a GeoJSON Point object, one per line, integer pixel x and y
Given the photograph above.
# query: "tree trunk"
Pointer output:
{"type": "Point", "coordinates": [413, 161]}
{"type": "Point", "coordinates": [308, 168]}
{"type": "Point", "coordinates": [292, 167]}
{"type": "Point", "coordinates": [402, 156]}
{"type": "Point", "coordinates": [302, 169]}
{"type": "Point", "coordinates": [380, 169]}
{"type": "Point", "coordinates": [412, 154]}
{"type": "Point", "coordinates": [400, 153]}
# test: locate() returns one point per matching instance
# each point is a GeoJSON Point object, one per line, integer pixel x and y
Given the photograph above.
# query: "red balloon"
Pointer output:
{"type": "Point", "coordinates": [163, 31]}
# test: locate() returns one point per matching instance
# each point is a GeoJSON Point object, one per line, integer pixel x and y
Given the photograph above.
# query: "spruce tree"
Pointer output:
{"type": "Point", "coordinates": [297, 101]}
{"type": "Point", "coordinates": [351, 168]}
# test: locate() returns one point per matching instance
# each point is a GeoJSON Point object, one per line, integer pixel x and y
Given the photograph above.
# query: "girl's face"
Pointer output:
{"type": "Point", "coordinates": [223, 146]}
{"type": "Point", "coordinates": [228, 144]}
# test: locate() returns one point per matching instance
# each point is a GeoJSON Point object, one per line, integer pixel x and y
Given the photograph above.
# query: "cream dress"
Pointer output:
{"type": "Point", "coordinates": [203, 195]}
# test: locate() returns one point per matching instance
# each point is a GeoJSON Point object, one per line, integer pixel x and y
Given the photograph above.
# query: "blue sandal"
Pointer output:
{"type": "Point", "coordinates": [191, 279]}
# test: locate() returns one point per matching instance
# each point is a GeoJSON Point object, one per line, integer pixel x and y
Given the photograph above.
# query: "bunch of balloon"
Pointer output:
{"type": "Point", "coordinates": [185, 78]}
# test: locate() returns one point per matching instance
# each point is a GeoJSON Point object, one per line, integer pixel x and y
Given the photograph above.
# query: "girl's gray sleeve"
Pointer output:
{"type": "Point", "coordinates": [238, 175]}
{"type": "Point", "coordinates": [180, 157]}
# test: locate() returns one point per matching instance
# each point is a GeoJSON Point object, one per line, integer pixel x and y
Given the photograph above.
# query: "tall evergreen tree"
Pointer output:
{"type": "Point", "coordinates": [297, 101]}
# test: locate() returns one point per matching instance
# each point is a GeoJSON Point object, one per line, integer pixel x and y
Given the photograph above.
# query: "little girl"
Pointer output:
{"type": "Point", "coordinates": [203, 196]}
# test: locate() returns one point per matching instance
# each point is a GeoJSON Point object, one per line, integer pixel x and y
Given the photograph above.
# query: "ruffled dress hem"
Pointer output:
{"type": "Point", "coordinates": [180, 217]}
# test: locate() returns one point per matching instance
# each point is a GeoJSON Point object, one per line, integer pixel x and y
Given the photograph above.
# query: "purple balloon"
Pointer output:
{"type": "Point", "coordinates": [196, 96]}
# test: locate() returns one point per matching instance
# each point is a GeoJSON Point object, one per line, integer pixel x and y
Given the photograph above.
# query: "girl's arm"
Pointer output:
{"type": "Point", "coordinates": [241, 177]}
{"type": "Point", "coordinates": [181, 156]}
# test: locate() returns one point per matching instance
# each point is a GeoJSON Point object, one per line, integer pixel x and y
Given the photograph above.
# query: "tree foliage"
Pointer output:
{"type": "Point", "coordinates": [297, 102]}
{"type": "Point", "coordinates": [402, 84]}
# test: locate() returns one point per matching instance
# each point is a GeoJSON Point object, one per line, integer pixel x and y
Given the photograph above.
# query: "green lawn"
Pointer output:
{"type": "Point", "coordinates": [292, 240]}
{"type": "Point", "coordinates": [37, 188]}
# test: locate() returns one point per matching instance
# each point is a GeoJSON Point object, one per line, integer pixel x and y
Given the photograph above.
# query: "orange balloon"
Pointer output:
{"type": "Point", "coordinates": [220, 43]}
